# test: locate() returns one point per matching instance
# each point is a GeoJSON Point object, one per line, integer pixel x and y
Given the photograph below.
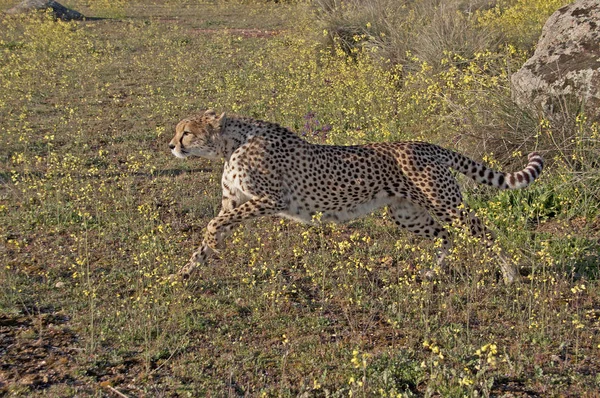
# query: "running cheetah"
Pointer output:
{"type": "Point", "coordinates": [269, 170]}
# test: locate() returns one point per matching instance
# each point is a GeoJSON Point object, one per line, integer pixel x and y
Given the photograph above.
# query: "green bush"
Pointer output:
{"type": "Point", "coordinates": [402, 30]}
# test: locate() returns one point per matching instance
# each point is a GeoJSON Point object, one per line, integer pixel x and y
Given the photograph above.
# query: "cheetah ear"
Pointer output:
{"type": "Point", "coordinates": [217, 121]}
{"type": "Point", "coordinates": [212, 116]}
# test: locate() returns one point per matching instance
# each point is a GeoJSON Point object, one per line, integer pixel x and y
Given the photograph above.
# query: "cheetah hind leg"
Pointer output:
{"type": "Point", "coordinates": [509, 272]}
{"type": "Point", "coordinates": [478, 229]}
{"type": "Point", "coordinates": [417, 220]}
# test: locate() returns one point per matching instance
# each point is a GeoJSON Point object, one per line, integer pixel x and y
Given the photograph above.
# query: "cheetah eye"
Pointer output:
{"type": "Point", "coordinates": [186, 133]}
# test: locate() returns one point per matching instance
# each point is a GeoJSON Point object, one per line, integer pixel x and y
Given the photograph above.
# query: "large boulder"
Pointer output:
{"type": "Point", "coordinates": [58, 10]}
{"type": "Point", "coordinates": [565, 68]}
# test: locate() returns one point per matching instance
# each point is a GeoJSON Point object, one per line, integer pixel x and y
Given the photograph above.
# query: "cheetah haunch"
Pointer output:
{"type": "Point", "coordinates": [269, 170]}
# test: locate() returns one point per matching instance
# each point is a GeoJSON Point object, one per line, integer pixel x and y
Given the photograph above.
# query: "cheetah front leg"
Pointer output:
{"type": "Point", "coordinates": [224, 223]}
{"type": "Point", "coordinates": [204, 252]}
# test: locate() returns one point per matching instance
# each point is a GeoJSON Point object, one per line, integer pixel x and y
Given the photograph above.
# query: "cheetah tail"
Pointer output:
{"type": "Point", "coordinates": [498, 179]}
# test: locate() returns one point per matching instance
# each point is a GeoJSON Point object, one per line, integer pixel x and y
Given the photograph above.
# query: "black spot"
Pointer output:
{"type": "Point", "coordinates": [501, 180]}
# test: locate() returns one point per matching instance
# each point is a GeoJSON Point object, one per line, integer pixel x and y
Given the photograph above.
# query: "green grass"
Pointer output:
{"type": "Point", "coordinates": [95, 214]}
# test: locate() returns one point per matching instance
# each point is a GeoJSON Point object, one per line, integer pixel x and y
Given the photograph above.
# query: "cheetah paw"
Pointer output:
{"type": "Point", "coordinates": [428, 274]}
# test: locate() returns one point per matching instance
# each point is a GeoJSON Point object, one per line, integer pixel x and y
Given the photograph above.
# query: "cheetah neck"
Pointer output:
{"type": "Point", "coordinates": [234, 133]}
{"type": "Point", "coordinates": [237, 131]}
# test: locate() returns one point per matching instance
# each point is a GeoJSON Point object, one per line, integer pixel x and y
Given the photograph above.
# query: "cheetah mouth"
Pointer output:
{"type": "Point", "coordinates": [182, 154]}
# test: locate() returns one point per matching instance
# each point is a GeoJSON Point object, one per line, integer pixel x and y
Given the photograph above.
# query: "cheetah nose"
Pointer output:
{"type": "Point", "coordinates": [171, 146]}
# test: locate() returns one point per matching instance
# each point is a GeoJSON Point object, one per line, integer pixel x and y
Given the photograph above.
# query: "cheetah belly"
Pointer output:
{"type": "Point", "coordinates": [304, 211]}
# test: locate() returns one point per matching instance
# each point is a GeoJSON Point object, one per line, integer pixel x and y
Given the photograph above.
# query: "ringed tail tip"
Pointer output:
{"type": "Point", "coordinates": [523, 178]}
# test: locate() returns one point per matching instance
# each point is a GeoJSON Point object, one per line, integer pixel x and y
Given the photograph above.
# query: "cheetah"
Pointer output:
{"type": "Point", "coordinates": [269, 170]}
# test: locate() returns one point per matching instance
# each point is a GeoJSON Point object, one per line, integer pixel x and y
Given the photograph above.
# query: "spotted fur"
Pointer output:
{"type": "Point", "coordinates": [269, 170]}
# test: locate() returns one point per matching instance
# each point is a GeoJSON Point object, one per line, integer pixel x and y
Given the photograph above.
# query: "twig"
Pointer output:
{"type": "Point", "coordinates": [119, 393]}
{"type": "Point", "coordinates": [164, 362]}
{"type": "Point", "coordinates": [169, 358]}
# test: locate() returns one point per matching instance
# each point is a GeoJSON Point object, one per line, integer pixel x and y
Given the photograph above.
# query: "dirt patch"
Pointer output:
{"type": "Point", "coordinates": [36, 351]}
{"type": "Point", "coordinates": [577, 225]}
{"type": "Point", "coordinates": [245, 33]}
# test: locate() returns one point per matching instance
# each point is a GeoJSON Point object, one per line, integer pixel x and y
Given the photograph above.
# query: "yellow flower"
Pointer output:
{"type": "Point", "coordinates": [465, 381]}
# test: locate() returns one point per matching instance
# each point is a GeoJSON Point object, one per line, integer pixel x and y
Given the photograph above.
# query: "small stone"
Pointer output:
{"type": "Point", "coordinates": [29, 380]}
{"type": "Point", "coordinates": [105, 383]}
{"type": "Point", "coordinates": [58, 10]}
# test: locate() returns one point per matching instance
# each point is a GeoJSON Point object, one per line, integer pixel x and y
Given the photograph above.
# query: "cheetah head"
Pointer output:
{"type": "Point", "coordinates": [198, 136]}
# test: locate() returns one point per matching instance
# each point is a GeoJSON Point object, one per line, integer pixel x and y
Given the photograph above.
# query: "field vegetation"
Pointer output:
{"type": "Point", "coordinates": [96, 214]}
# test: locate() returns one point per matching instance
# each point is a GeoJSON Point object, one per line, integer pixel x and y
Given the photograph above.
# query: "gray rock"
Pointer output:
{"type": "Point", "coordinates": [565, 68]}
{"type": "Point", "coordinates": [58, 10]}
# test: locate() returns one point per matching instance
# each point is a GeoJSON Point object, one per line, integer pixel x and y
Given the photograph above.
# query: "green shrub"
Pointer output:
{"type": "Point", "coordinates": [402, 30]}
{"type": "Point", "coordinates": [519, 22]}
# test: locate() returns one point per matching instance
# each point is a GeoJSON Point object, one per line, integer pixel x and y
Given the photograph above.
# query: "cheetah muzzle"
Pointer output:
{"type": "Point", "coordinates": [269, 170]}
